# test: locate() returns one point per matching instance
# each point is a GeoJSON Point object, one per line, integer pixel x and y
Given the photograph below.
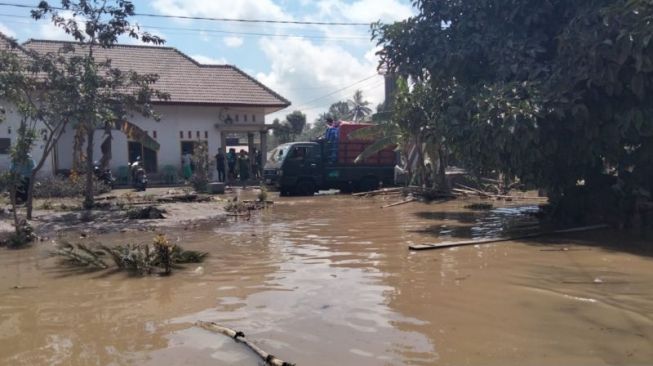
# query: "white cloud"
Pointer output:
{"type": "Point", "coordinates": [204, 36]}
{"type": "Point", "coordinates": [7, 31]}
{"type": "Point", "coordinates": [364, 10]}
{"type": "Point", "coordinates": [233, 41]}
{"type": "Point", "coordinates": [206, 60]}
{"type": "Point", "coordinates": [263, 9]}
{"type": "Point", "coordinates": [47, 30]}
{"type": "Point", "coordinates": [302, 71]}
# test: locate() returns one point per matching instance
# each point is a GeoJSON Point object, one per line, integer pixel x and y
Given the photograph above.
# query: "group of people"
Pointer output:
{"type": "Point", "coordinates": [237, 166]}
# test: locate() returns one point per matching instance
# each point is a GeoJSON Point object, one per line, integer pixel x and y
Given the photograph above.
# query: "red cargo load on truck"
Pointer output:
{"type": "Point", "coordinates": [349, 149]}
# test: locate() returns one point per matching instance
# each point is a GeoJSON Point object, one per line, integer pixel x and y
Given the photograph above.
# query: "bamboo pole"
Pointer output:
{"type": "Point", "coordinates": [451, 244]}
{"type": "Point", "coordinates": [474, 190]}
{"type": "Point", "coordinates": [400, 203]}
{"type": "Point", "coordinates": [489, 195]}
{"type": "Point", "coordinates": [380, 191]}
{"type": "Point", "coordinates": [240, 337]}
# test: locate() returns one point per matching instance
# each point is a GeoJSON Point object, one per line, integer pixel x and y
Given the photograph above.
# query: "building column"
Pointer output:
{"type": "Point", "coordinates": [250, 152]}
{"type": "Point", "coordinates": [264, 147]}
{"type": "Point", "coordinates": [223, 141]}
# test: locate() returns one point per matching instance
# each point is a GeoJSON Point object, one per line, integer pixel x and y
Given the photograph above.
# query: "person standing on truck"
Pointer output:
{"type": "Point", "coordinates": [331, 137]}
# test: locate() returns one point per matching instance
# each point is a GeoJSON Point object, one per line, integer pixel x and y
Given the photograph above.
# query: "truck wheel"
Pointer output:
{"type": "Point", "coordinates": [368, 184]}
{"type": "Point", "coordinates": [305, 188]}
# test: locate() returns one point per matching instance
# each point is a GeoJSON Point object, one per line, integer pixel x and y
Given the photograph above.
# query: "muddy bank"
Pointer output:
{"type": "Point", "coordinates": [179, 209]}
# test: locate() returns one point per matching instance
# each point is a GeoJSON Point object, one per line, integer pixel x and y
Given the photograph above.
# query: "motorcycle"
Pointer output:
{"type": "Point", "coordinates": [105, 176]}
{"type": "Point", "coordinates": [139, 178]}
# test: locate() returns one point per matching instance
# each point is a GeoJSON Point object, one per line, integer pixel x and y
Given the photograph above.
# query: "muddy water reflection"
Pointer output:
{"type": "Point", "coordinates": [330, 281]}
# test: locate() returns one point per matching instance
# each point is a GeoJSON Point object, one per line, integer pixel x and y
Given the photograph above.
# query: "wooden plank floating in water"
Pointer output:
{"type": "Point", "coordinates": [451, 244]}
{"type": "Point", "coordinates": [240, 337]}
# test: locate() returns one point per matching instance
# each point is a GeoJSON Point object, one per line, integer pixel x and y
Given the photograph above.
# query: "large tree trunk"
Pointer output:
{"type": "Point", "coordinates": [442, 170]}
{"type": "Point", "coordinates": [88, 193]}
{"type": "Point", "coordinates": [30, 196]}
{"type": "Point", "coordinates": [106, 150]}
{"type": "Point", "coordinates": [78, 160]}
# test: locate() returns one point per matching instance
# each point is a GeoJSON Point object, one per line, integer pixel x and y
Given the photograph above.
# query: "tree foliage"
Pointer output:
{"type": "Point", "coordinates": [291, 128]}
{"type": "Point", "coordinates": [105, 95]}
{"type": "Point", "coordinates": [553, 92]}
{"type": "Point", "coordinates": [339, 110]}
{"type": "Point", "coordinates": [296, 121]}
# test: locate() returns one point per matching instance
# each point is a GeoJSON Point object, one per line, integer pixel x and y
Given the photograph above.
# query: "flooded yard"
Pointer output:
{"type": "Point", "coordinates": [330, 281]}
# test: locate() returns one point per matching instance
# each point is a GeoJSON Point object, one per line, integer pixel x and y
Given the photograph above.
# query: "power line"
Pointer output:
{"type": "Point", "coordinates": [253, 34]}
{"type": "Point", "coordinates": [252, 20]}
{"type": "Point", "coordinates": [371, 87]}
{"type": "Point", "coordinates": [258, 34]}
{"type": "Point", "coordinates": [335, 92]}
{"type": "Point", "coordinates": [235, 20]}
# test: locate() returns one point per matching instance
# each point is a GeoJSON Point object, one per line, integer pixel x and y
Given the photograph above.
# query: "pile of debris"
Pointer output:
{"type": "Point", "coordinates": [245, 208]}
{"type": "Point", "coordinates": [146, 213]}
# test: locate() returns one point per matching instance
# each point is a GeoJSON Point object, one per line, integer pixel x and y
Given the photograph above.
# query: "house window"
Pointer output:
{"type": "Point", "coordinates": [197, 134]}
{"type": "Point", "coordinates": [253, 118]}
{"type": "Point", "coordinates": [181, 134]}
{"type": "Point", "coordinates": [190, 135]}
{"type": "Point", "coordinates": [154, 134]}
{"type": "Point", "coordinates": [237, 118]}
{"type": "Point", "coordinates": [206, 134]}
{"type": "Point", "coordinates": [5, 144]}
{"type": "Point", "coordinates": [245, 118]}
{"type": "Point", "coordinates": [148, 156]}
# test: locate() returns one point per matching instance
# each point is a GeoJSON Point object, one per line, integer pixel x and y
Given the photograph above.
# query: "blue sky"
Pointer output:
{"type": "Point", "coordinates": [305, 68]}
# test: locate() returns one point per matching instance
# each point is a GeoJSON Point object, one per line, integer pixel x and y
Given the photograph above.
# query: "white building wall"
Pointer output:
{"type": "Point", "coordinates": [177, 121]}
{"type": "Point", "coordinates": [9, 129]}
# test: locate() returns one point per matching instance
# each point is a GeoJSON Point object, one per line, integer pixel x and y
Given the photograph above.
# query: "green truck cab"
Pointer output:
{"type": "Point", "coordinates": [303, 168]}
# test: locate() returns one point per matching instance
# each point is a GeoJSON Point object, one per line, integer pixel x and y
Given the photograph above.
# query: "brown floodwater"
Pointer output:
{"type": "Point", "coordinates": [330, 281]}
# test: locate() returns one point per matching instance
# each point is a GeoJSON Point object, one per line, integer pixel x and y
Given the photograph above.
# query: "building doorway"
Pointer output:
{"type": "Point", "coordinates": [148, 156]}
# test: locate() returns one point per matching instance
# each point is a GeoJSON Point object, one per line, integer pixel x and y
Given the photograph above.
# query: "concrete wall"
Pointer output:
{"type": "Point", "coordinates": [9, 129]}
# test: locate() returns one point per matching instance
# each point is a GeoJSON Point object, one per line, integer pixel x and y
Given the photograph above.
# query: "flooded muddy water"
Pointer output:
{"type": "Point", "coordinates": [330, 281]}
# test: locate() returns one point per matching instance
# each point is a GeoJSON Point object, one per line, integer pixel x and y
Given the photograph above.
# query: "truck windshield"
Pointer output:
{"type": "Point", "coordinates": [279, 153]}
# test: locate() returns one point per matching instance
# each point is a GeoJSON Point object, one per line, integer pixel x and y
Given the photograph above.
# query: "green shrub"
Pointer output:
{"type": "Point", "coordinates": [142, 259]}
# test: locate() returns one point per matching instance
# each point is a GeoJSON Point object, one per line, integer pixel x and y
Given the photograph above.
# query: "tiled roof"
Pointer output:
{"type": "Point", "coordinates": [186, 80]}
{"type": "Point", "coordinates": [8, 44]}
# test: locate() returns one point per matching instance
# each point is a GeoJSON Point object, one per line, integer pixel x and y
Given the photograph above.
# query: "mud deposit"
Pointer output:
{"type": "Point", "coordinates": [330, 281]}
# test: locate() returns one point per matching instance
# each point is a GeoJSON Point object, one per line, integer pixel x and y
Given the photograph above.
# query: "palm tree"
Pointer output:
{"type": "Point", "coordinates": [358, 107]}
